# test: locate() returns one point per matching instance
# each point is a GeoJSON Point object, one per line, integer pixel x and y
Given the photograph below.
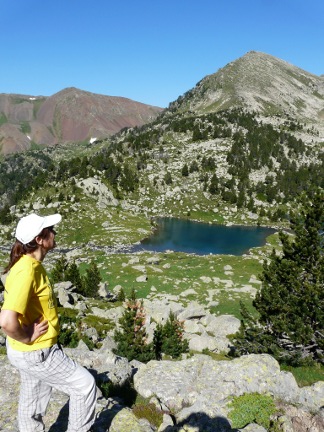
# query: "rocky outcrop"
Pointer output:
{"type": "Point", "coordinates": [203, 330]}
{"type": "Point", "coordinates": [194, 393]}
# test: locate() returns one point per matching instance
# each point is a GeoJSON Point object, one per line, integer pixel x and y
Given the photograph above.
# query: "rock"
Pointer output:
{"type": "Point", "coordinates": [205, 279]}
{"type": "Point", "coordinates": [159, 310]}
{"type": "Point", "coordinates": [103, 290]}
{"type": "Point", "coordinates": [200, 343]}
{"type": "Point", "coordinates": [188, 292]}
{"type": "Point", "coordinates": [105, 196]}
{"type": "Point", "coordinates": [153, 260]}
{"type": "Point", "coordinates": [117, 289]}
{"type": "Point", "coordinates": [126, 421]}
{"type": "Point", "coordinates": [194, 310]}
{"type": "Point", "coordinates": [167, 423]}
{"type": "Point", "coordinates": [133, 261]}
{"type": "Point", "coordinates": [313, 396]}
{"type": "Point", "coordinates": [223, 325]}
{"type": "Point", "coordinates": [142, 278]}
{"type": "Point", "coordinates": [113, 314]}
{"type": "Point", "coordinates": [253, 427]}
{"type": "Point", "coordinates": [296, 419]}
{"type": "Point", "coordinates": [208, 383]}
{"type": "Point", "coordinates": [196, 391]}
{"type": "Point", "coordinates": [65, 299]}
{"type": "Point", "coordinates": [191, 326]}
{"type": "Point", "coordinates": [91, 333]}
{"type": "Point", "coordinates": [140, 268]}
{"type": "Point", "coordinates": [108, 344]}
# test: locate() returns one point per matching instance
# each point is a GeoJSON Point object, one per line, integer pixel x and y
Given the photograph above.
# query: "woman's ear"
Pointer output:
{"type": "Point", "coordinates": [39, 240]}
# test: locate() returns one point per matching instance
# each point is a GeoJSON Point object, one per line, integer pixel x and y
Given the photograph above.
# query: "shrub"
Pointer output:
{"type": "Point", "coordinates": [69, 337]}
{"type": "Point", "coordinates": [121, 295]}
{"type": "Point", "coordinates": [251, 408]}
{"type": "Point", "coordinates": [168, 339]}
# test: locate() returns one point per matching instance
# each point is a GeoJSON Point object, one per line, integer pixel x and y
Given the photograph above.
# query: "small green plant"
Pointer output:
{"type": "Point", "coordinates": [251, 408]}
{"type": "Point", "coordinates": [69, 334]}
{"type": "Point", "coordinates": [121, 297]}
{"type": "Point", "coordinates": [150, 412]}
{"type": "Point", "coordinates": [69, 337]}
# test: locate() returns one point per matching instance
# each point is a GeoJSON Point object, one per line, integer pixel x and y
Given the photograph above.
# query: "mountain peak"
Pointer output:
{"type": "Point", "coordinates": [258, 82]}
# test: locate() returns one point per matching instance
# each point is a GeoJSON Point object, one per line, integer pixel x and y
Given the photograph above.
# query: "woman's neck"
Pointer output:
{"type": "Point", "coordinates": [38, 254]}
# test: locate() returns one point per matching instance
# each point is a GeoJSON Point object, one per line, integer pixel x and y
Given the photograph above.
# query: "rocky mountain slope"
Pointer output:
{"type": "Point", "coordinates": [261, 83]}
{"type": "Point", "coordinates": [238, 165]}
{"type": "Point", "coordinates": [69, 115]}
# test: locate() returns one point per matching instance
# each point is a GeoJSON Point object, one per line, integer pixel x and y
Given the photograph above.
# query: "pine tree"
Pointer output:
{"type": "Point", "coordinates": [72, 274]}
{"type": "Point", "coordinates": [168, 339]}
{"type": "Point", "coordinates": [213, 187]}
{"type": "Point", "coordinates": [59, 270]}
{"type": "Point", "coordinates": [91, 281]}
{"type": "Point", "coordinates": [185, 170]}
{"type": "Point", "coordinates": [291, 301]}
{"type": "Point", "coordinates": [132, 337]}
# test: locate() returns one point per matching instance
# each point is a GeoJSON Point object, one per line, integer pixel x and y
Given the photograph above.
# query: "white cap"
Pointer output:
{"type": "Point", "coordinates": [30, 226]}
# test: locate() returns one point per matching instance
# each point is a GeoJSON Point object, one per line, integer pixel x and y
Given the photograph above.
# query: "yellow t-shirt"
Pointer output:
{"type": "Point", "coordinates": [29, 292]}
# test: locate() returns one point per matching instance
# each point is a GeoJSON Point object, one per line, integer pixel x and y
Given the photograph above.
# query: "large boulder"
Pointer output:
{"type": "Point", "coordinates": [205, 384]}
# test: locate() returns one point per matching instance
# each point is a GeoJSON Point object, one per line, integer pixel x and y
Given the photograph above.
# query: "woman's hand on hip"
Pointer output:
{"type": "Point", "coordinates": [9, 321]}
{"type": "Point", "coordinates": [36, 329]}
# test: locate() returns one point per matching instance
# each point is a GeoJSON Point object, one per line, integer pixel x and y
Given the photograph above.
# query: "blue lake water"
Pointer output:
{"type": "Point", "coordinates": [203, 239]}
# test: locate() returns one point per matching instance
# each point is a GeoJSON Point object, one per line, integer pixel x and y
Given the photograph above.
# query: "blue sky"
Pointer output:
{"type": "Point", "coordinates": [149, 51]}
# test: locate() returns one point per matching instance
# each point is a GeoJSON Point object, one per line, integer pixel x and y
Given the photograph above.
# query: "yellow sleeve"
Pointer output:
{"type": "Point", "coordinates": [18, 290]}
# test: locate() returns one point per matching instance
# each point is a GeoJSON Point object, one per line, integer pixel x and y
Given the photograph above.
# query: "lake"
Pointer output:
{"type": "Point", "coordinates": [181, 235]}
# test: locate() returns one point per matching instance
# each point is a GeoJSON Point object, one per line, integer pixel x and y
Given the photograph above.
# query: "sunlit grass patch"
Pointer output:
{"type": "Point", "coordinates": [306, 375]}
{"type": "Point", "coordinates": [174, 273]}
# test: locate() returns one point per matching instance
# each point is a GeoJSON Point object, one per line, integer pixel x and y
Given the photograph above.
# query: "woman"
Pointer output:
{"type": "Point", "coordinates": [29, 319]}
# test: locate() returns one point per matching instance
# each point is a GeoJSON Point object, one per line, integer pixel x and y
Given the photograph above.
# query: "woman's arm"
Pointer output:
{"type": "Point", "coordinates": [25, 334]}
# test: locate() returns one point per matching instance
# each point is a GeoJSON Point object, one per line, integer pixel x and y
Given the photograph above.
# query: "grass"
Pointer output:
{"type": "Point", "coordinates": [177, 272]}
{"type": "Point", "coordinates": [306, 375]}
{"type": "Point", "coordinates": [149, 412]}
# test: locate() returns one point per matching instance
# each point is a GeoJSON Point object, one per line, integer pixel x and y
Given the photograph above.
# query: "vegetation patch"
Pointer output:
{"type": "Point", "coordinates": [252, 408]}
{"type": "Point", "coordinates": [306, 375]}
{"type": "Point", "coordinates": [149, 412]}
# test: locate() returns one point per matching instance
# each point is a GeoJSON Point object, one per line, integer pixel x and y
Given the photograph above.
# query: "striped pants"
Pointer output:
{"type": "Point", "coordinates": [48, 368]}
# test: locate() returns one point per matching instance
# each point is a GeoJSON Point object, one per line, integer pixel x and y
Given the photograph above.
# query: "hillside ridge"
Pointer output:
{"type": "Point", "coordinates": [69, 115]}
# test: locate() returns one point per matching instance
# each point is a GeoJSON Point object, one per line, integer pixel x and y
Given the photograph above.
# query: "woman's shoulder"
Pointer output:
{"type": "Point", "coordinates": [26, 265]}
